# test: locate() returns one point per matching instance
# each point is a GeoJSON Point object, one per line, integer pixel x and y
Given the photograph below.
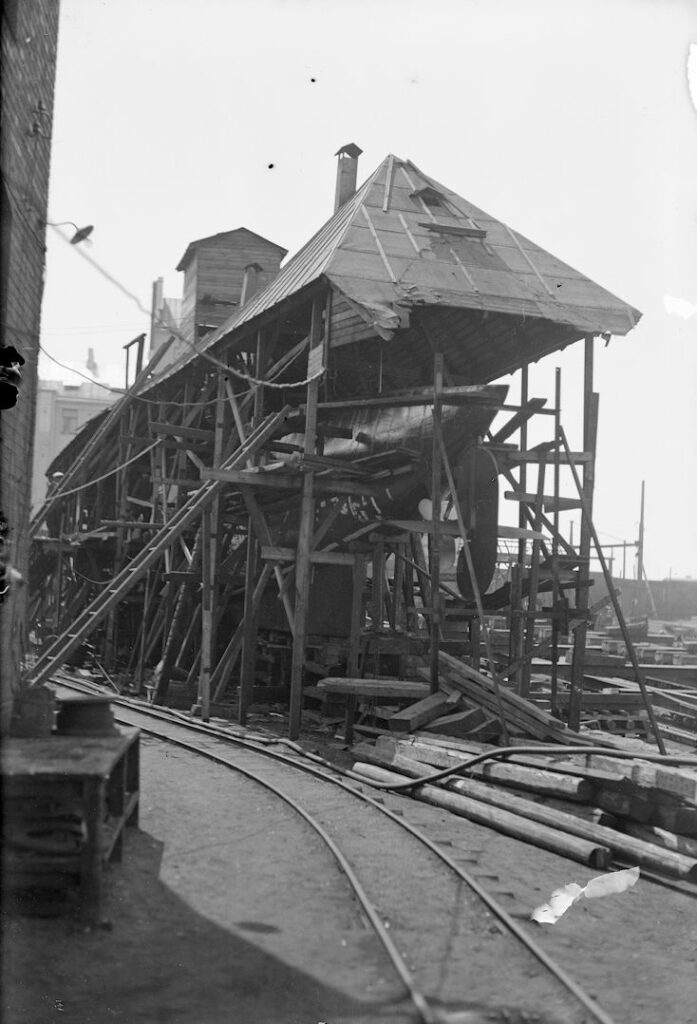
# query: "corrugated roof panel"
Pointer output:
{"type": "Point", "coordinates": [386, 259]}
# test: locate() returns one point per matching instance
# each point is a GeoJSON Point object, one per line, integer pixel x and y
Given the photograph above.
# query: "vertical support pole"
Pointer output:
{"type": "Point", "coordinates": [249, 628]}
{"type": "Point", "coordinates": [526, 668]}
{"type": "Point", "coordinates": [522, 483]}
{"type": "Point", "coordinates": [590, 426]}
{"type": "Point", "coordinates": [475, 631]}
{"type": "Point", "coordinates": [556, 591]}
{"type": "Point", "coordinates": [398, 617]}
{"type": "Point", "coordinates": [259, 368]}
{"type": "Point", "coordinates": [518, 572]}
{"type": "Point", "coordinates": [126, 430]}
{"type": "Point", "coordinates": [378, 588]}
{"type": "Point", "coordinates": [640, 544]}
{"type": "Point", "coordinates": [436, 502]}
{"type": "Point", "coordinates": [422, 577]}
{"type": "Point", "coordinates": [140, 669]}
{"type": "Point", "coordinates": [59, 578]}
{"type": "Point", "coordinates": [516, 622]}
{"type": "Point", "coordinates": [303, 565]}
{"type": "Point", "coordinates": [210, 524]}
{"type": "Point", "coordinates": [204, 681]}
{"type": "Point", "coordinates": [638, 672]}
{"type": "Point", "coordinates": [354, 648]}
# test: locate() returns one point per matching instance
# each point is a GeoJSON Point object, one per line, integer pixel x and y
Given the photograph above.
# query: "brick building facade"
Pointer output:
{"type": "Point", "coordinates": [29, 46]}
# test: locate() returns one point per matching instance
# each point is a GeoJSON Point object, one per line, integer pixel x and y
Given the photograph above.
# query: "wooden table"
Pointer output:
{"type": "Point", "coordinates": [378, 689]}
{"type": "Point", "coordinates": [98, 774]}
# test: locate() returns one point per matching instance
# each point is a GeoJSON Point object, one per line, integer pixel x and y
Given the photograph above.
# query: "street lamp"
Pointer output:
{"type": "Point", "coordinates": [80, 233]}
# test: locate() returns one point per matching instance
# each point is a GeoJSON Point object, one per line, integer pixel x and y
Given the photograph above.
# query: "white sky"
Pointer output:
{"type": "Point", "coordinates": [571, 121]}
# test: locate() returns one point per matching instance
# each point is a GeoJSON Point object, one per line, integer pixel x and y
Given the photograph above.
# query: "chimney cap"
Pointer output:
{"type": "Point", "coordinates": [351, 150]}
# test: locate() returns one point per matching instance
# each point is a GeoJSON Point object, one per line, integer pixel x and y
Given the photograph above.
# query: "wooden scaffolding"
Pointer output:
{"type": "Point", "coordinates": [205, 536]}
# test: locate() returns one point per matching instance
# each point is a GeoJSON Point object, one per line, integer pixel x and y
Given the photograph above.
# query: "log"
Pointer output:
{"type": "Point", "coordinates": [515, 776]}
{"type": "Point", "coordinates": [625, 805]}
{"type": "Point", "coordinates": [645, 854]}
{"type": "Point", "coordinates": [676, 819]}
{"type": "Point", "coordinates": [515, 825]}
{"type": "Point", "coordinates": [373, 687]}
{"type": "Point", "coordinates": [470, 748]}
{"type": "Point", "coordinates": [669, 780]}
{"type": "Point", "coordinates": [585, 812]}
{"type": "Point", "coordinates": [662, 837]}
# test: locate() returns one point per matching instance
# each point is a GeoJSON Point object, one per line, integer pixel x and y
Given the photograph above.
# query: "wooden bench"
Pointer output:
{"type": "Point", "coordinates": [377, 689]}
{"type": "Point", "coordinates": [96, 775]}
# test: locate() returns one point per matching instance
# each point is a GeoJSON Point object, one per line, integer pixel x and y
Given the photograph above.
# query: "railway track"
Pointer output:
{"type": "Point", "coordinates": [523, 984]}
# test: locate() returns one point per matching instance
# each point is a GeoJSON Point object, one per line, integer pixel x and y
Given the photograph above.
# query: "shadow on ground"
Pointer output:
{"type": "Point", "coordinates": [160, 963]}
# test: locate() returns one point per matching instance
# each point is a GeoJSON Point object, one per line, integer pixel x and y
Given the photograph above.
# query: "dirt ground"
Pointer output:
{"type": "Point", "coordinates": [224, 910]}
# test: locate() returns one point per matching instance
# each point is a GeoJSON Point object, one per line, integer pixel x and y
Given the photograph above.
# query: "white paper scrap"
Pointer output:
{"type": "Point", "coordinates": [603, 885]}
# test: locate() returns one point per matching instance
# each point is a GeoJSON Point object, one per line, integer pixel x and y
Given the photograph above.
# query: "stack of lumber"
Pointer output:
{"type": "Point", "coordinates": [466, 705]}
{"type": "Point", "coordinates": [447, 713]}
{"type": "Point", "coordinates": [617, 704]}
{"type": "Point", "coordinates": [592, 809]}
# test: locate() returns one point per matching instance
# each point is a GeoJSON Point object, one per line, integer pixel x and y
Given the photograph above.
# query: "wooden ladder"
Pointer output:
{"type": "Point", "coordinates": [57, 652]}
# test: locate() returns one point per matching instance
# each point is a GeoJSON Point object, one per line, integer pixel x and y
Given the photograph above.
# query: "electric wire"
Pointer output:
{"type": "Point", "coordinates": [124, 391]}
{"type": "Point", "coordinates": [248, 378]}
{"type": "Point", "coordinates": [104, 476]}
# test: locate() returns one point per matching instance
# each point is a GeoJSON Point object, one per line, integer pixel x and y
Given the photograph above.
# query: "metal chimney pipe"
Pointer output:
{"type": "Point", "coordinates": [346, 173]}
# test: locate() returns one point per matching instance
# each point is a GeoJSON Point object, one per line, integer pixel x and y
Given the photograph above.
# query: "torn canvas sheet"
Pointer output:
{"type": "Point", "coordinates": [603, 885]}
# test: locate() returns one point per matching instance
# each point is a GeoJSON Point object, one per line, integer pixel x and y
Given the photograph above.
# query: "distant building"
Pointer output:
{"type": "Point", "coordinates": [166, 316]}
{"type": "Point", "coordinates": [61, 410]}
{"type": "Point", "coordinates": [221, 273]}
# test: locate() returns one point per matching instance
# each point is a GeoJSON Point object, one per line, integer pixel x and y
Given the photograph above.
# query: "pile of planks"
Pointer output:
{"type": "Point", "coordinates": [598, 810]}
{"type": "Point", "coordinates": [467, 705]}
{"type": "Point", "coordinates": [616, 705]}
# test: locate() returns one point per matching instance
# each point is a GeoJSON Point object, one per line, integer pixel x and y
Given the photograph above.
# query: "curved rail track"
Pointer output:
{"type": "Point", "coordinates": [521, 993]}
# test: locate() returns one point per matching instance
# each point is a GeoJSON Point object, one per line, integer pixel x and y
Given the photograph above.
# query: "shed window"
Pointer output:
{"type": "Point", "coordinates": [431, 196]}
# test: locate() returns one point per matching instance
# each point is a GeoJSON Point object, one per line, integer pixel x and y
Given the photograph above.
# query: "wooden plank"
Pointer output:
{"type": "Point", "coordinates": [595, 701]}
{"type": "Point", "coordinates": [461, 723]}
{"type": "Point", "coordinates": [533, 406]}
{"type": "Point", "coordinates": [177, 430]}
{"type": "Point", "coordinates": [421, 713]}
{"type": "Point", "coordinates": [467, 394]}
{"type": "Point", "coordinates": [274, 553]}
{"type": "Point", "coordinates": [288, 481]}
{"type": "Point", "coordinates": [548, 502]}
{"type": "Point", "coordinates": [533, 456]}
{"type": "Point", "coordinates": [374, 687]}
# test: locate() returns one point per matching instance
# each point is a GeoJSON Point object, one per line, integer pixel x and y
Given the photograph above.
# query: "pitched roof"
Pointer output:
{"type": "Point", "coordinates": [405, 240]}
{"type": "Point", "coordinates": [224, 235]}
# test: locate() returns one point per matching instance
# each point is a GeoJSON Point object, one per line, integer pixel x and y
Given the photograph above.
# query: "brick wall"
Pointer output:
{"type": "Point", "coordinates": [29, 43]}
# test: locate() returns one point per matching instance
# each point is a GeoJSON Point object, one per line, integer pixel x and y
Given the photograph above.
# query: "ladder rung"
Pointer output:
{"type": "Point", "coordinates": [549, 457]}
{"type": "Point", "coordinates": [549, 502]}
